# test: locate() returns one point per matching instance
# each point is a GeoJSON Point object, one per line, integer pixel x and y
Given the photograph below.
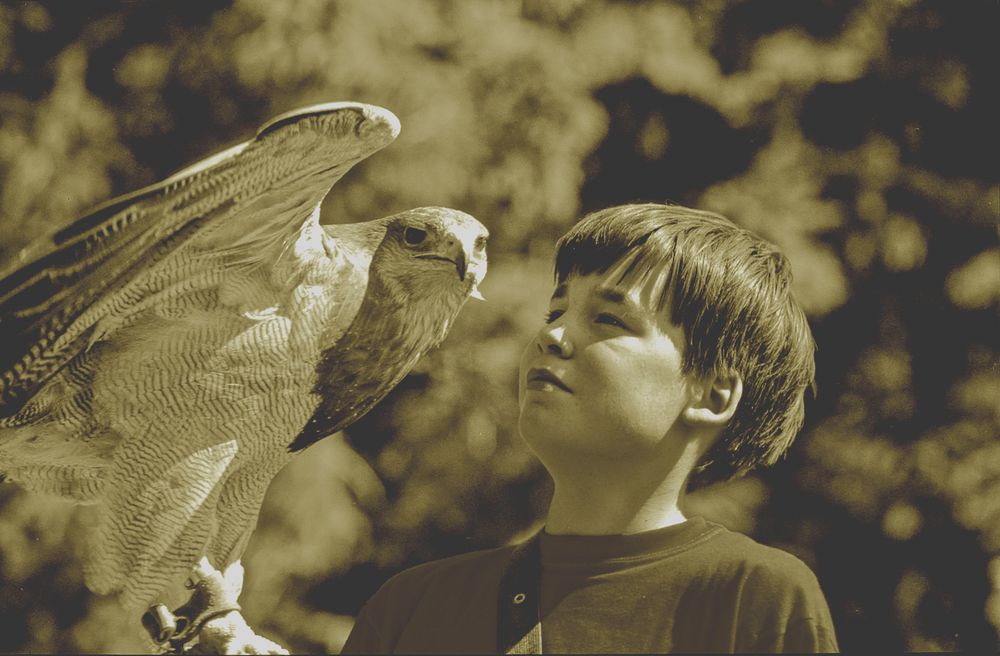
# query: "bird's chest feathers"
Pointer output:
{"type": "Point", "coordinates": [371, 357]}
{"type": "Point", "coordinates": [390, 333]}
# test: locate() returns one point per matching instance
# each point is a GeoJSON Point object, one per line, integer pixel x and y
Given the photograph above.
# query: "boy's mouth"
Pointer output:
{"type": "Point", "coordinates": [539, 377]}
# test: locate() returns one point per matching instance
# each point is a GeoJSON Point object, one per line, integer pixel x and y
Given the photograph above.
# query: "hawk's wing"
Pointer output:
{"type": "Point", "coordinates": [248, 201]}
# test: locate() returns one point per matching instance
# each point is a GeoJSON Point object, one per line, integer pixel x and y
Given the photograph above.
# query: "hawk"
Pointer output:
{"type": "Point", "coordinates": [168, 353]}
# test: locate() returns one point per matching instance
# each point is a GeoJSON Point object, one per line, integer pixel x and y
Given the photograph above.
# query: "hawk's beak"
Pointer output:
{"type": "Point", "coordinates": [454, 254]}
{"type": "Point", "coordinates": [461, 263]}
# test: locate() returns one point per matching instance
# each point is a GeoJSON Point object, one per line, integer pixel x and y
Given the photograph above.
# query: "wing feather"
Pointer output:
{"type": "Point", "coordinates": [244, 204]}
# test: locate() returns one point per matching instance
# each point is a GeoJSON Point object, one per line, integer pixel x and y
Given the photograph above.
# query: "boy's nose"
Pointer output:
{"type": "Point", "coordinates": [553, 340]}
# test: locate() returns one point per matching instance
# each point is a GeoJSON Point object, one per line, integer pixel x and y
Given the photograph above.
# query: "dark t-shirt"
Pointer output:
{"type": "Point", "coordinates": [695, 586]}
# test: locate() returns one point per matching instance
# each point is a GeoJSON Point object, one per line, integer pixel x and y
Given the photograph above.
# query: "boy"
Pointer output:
{"type": "Point", "coordinates": [672, 347]}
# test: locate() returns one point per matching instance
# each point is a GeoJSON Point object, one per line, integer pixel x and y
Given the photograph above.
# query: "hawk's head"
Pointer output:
{"type": "Point", "coordinates": [432, 254]}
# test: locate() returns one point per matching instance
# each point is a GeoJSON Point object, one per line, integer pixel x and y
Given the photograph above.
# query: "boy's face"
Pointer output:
{"type": "Point", "coordinates": [603, 375]}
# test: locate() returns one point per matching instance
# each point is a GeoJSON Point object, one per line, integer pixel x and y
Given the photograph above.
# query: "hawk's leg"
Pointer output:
{"type": "Point", "coordinates": [211, 617]}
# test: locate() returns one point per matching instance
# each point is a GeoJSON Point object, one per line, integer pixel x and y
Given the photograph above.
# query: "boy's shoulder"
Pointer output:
{"type": "Point", "coordinates": [735, 549]}
{"type": "Point", "coordinates": [482, 566]}
{"type": "Point", "coordinates": [416, 609]}
{"type": "Point", "coordinates": [763, 580]}
{"type": "Point", "coordinates": [775, 594]}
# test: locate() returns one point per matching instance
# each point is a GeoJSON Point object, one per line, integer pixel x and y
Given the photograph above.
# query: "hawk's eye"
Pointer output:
{"type": "Point", "coordinates": [414, 236]}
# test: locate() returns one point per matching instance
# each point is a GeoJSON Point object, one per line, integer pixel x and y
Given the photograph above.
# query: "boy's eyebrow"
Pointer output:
{"type": "Point", "coordinates": [608, 294]}
{"type": "Point", "coordinates": [613, 295]}
{"type": "Point", "coordinates": [616, 296]}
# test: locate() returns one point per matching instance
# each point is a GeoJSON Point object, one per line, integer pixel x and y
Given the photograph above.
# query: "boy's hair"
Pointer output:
{"type": "Point", "coordinates": [731, 293]}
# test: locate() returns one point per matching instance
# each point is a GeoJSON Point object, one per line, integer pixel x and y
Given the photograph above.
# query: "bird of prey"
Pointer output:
{"type": "Point", "coordinates": [167, 354]}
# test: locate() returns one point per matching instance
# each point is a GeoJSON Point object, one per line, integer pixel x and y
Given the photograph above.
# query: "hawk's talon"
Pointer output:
{"type": "Point", "coordinates": [211, 598]}
{"type": "Point", "coordinates": [160, 623]}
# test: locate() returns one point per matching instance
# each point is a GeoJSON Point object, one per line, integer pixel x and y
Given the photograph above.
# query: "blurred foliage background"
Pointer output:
{"type": "Point", "coordinates": [859, 135]}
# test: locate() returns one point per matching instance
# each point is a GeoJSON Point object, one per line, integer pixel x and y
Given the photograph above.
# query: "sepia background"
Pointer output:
{"type": "Point", "coordinates": [860, 136]}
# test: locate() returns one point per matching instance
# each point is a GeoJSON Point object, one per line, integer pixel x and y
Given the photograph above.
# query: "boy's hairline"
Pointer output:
{"type": "Point", "coordinates": [628, 275]}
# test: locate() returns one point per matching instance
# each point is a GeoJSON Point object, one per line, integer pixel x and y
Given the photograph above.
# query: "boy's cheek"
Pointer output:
{"type": "Point", "coordinates": [522, 368]}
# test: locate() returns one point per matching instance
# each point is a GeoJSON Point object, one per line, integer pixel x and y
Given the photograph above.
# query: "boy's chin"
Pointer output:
{"type": "Point", "coordinates": [536, 421]}
{"type": "Point", "coordinates": [532, 432]}
{"type": "Point", "coordinates": [549, 436]}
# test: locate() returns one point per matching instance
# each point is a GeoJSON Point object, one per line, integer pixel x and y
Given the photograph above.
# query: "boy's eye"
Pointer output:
{"type": "Point", "coordinates": [552, 315]}
{"type": "Point", "coordinates": [610, 319]}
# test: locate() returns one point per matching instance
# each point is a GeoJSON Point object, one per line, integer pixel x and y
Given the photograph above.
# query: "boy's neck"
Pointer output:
{"type": "Point", "coordinates": [614, 507]}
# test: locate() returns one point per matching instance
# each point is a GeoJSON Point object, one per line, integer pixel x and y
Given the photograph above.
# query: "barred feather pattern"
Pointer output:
{"type": "Point", "coordinates": [175, 427]}
{"type": "Point", "coordinates": [174, 344]}
{"type": "Point", "coordinates": [246, 206]}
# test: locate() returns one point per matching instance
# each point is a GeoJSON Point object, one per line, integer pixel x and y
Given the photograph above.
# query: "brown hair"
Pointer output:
{"type": "Point", "coordinates": [730, 291]}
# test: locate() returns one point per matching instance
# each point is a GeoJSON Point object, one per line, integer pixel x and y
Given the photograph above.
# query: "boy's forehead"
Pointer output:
{"type": "Point", "coordinates": [628, 280]}
{"type": "Point", "coordinates": [642, 291]}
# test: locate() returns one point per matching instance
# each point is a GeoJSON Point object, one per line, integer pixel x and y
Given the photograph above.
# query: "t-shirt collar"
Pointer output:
{"type": "Point", "coordinates": [575, 550]}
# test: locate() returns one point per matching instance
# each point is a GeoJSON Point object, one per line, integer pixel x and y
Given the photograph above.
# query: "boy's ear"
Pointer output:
{"type": "Point", "coordinates": [714, 399]}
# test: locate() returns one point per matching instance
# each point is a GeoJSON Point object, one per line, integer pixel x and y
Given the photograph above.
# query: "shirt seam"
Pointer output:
{"type": "Point", "coordinates": [711, 532]}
